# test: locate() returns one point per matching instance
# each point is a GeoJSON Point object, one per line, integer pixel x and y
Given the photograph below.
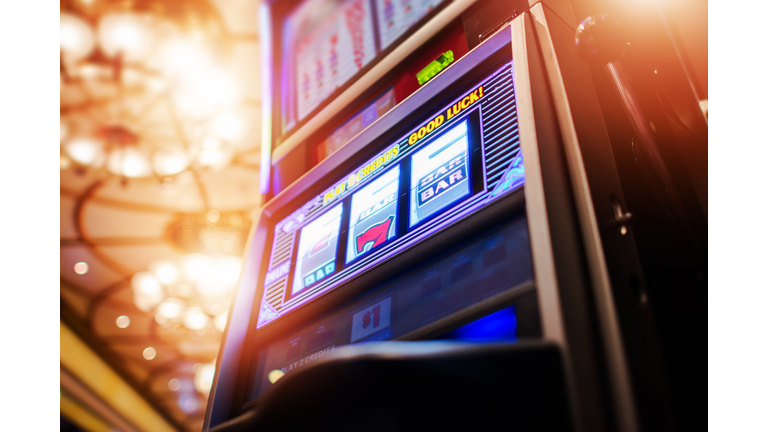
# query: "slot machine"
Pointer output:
{"type": "Point", "coordinates": [444, 240]}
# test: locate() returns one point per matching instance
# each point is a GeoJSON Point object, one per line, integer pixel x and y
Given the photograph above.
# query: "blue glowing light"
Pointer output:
{"type": "Point", "coordinates": [500, 326]}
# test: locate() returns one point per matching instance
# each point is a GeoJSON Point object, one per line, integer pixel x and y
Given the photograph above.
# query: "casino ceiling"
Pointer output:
{"type": "Point", "coordinates": [160, 154]}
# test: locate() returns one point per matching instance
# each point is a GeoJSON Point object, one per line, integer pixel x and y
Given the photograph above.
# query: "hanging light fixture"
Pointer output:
{"type": "Point", "coordinates": [191, 294]}
{"type": "Point", "coordinates": [146, 91]}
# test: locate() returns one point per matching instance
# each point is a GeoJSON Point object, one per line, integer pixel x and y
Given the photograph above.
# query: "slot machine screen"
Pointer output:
{"type": "Point", "coordinates": [325, 44]}
{"type": "Point", "coordinates": [433, 174]}
{"type": "Point", "coordinates": [439, 176]}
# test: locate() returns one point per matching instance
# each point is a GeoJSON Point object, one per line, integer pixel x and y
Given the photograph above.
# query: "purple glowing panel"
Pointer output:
{"type": "Point", "coordinates": [477, 136]}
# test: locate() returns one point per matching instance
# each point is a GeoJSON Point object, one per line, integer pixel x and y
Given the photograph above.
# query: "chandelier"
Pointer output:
{"type": "Point", "coordinates": [147, 89]}
{"type": "Point", "coordinates": [191, 295]}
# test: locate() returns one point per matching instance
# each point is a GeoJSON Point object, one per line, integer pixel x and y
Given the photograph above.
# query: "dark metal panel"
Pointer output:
{"type": "Point", "coordinates": [628, 330]}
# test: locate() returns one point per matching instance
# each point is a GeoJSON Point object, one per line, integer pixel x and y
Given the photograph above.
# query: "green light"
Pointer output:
{"type": "Point", "coordinates": [435, 67]}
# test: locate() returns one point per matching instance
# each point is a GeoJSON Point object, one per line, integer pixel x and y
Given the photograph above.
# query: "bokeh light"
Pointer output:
{"type": "Point", "coordinates": [81, 268]}
{"type": "Point", "coordinates": [196, 319]}
{"type": "Point", "coordinates": [213, 215]}
{"type": "Point", "coordinates": [129, 162]}
{"type": "Point", "coordinates": [149, 353]}
{"type": "Point", "coordinates": [125, 34]}
{"type": "Point", "coordinates": [75, 37]}
{"type": "Point", "coordinates": [85, 151]}
{"type": "Point", "coordinates": [275, 375]}
{"type": "Point", "coordinates": [174, 384]}
{"type": "Point", "coordinates": [204, 373]}
{"type": "Point", "coordinates": [123, 321]}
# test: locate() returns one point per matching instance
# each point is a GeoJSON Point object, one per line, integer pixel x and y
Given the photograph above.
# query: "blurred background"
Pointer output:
{"type": "Point", "coordinates": [159, 109]}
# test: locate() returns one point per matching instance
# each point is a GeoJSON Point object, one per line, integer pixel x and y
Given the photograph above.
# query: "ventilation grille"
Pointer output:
{"type": "Point", "coordinates": [500, 129]}
{"type": "Point", "coordinates": [275, 293]}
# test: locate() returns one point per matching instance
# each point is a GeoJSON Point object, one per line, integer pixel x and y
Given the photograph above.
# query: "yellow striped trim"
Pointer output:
{"type": "Point", "coordinates": [92, 371]}
{"type": "Point", "coordinates": [82, 417]}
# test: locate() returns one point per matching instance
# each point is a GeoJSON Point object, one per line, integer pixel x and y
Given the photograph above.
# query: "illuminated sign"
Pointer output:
{"type": "Point", "coordinates": [451, 112]}
{"type": "Point", "coordinates": [435, 67]}
{"type": "Point", "coordinates": [353, 180]}
{"type": "Point", "coordinates": [392, 153]}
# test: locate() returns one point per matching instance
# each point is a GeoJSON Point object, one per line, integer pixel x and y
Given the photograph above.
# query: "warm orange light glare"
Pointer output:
{"type": "Point", "coordinates": [228, 125]}
{"type": "Point", "coordinates": [196, 266]}
{"type": "Point", "coordinates": [64, 162]}
{"type": "Point", "coordinates": [81, 268]}
{"type": "Point", "coordinates": [211, 157]}
{"type": "Point", "coordinates": [220, 322]}
{"type": "Point", "coordinates": [63, 131]}
{"type": "Point", "coordinates": [182, 55]}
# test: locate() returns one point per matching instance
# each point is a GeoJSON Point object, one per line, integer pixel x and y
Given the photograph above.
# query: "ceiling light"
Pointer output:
{"type": "Point", "coordinates": [204, 376]}
{"type": "Point", "coordinates": [149, 353]}
{"type": "Point", "coordinates": [81, 268]}
{"type": "Point", "coordinates": [220, 322]}
{"type": "Point", "coordinates": [146, 283]}
{"type": "Point", "coordinates": [167, 163]}
{"type": "Point", "coordinates": [228, 125]}
{"type": "Point", "coordinates": [75, 37]}
{"type": "Point", "coordinates": [170, 308]}
{"type": "Point", "coordinates": [196, 319]}
{"type": "Point", "coordinates": [183, 55]}
{"type": "Point", "coordinates": [213, 215]}
{"type": "Point", "coordinates": [228, 269]}
{"type": "Point", "coordinates": [125, 34]}
{"type": "Point", "coordinates": [123, 321]}
{"type": "Point", "coordinates": [165, 271]}
{"type": "Point", "coordinates": [129, 162]}
{"type": "Point", "coordinates": [196, 266]}
{"type": "Point", "coordinates": [85, 151]}
{"type": "Point", "coordinates": [174, 384]}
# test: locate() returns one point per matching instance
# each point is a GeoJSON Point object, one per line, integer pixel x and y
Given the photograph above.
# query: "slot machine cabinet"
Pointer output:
{"type": "Point", "coordinates": [487, 195]}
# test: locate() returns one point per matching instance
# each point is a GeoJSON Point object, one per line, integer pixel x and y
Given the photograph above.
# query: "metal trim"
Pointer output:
{"type": "Point", "coordinates": [617, 364]}
{"type": "Point", "coordinates": [234, 338]}
{"type": "Point", "coordinates": [538, 224]}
